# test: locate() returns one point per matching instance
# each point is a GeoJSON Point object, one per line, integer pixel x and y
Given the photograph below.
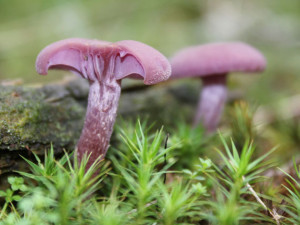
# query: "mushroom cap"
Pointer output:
{"type": "Point", "coordinates": [216, 58]}
{"type": "Point", "coordinates": [94, 59]}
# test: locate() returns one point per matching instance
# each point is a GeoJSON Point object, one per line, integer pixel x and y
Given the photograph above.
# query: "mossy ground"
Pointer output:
{"type": "Point", "coordinates": [29, 121]}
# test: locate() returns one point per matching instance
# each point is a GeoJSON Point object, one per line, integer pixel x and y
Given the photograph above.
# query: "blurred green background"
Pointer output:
{"type": "Point", "coordinates": [273, 26]}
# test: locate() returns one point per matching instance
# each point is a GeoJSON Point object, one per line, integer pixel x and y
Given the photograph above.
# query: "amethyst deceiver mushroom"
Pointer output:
{"type": "Point", "coordinates": [212, 63]}
{"type": "Point", "coordinates": [104, 65]}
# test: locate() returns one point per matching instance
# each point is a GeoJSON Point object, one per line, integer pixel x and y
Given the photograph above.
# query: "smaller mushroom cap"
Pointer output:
{"type": "Point", "coordinates": [92, 59]}
{"type": "Point", "coordinates": [216, 58]}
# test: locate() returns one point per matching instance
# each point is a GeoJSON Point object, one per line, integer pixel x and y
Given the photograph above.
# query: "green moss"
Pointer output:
{"type": "Point", "coordinates": [28, 120]}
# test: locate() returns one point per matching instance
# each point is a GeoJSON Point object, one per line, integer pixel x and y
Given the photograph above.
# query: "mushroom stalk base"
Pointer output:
{"type": "Point", "coordinates": [212, 100]}
{"type": "Point", "coordinates": [99, 121]}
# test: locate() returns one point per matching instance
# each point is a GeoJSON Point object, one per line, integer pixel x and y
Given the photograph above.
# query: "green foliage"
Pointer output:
{"type": "Point", "coordinates": [238, 173]}
{"type": "Point", "coordinates": [176, 202]}
{"type": "Point", "coordinates": [292, 208]}
{"type": "Point", "coordinates": [190, 144]}
{"type": "Point", "coordinates": [240, 164]}
{"type": "Point", "coordinates": [143, 165]}
{"type": "Point", "coordinates": [140, 184]}
{"type": "Point", "coordinates": [241, 123]}
{"type": "Point", "coordinates": [56, 191]}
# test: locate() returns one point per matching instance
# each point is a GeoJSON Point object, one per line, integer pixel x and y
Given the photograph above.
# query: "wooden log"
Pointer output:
{"type": "Point", "coordinates": [33, 118]}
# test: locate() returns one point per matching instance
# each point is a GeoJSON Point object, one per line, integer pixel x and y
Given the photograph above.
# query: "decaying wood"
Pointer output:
{"type": "Point", "coordinates": [33, 118]}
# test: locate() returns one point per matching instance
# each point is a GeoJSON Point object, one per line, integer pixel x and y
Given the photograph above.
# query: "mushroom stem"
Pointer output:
{"type": "Point", "coordinates": [212, 100]}
{"type": "Point", "coordinates": [99, 121]}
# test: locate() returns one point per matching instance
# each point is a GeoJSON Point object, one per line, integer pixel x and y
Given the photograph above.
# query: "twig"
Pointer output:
{"type": "Point", "coordinates": [273, 212]}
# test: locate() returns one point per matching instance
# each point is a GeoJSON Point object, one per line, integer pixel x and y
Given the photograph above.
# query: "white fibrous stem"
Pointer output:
{"type": "Point", "coordinates": [211, 103]}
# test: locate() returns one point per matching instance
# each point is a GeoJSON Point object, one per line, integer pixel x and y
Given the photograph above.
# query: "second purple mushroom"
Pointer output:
{"type": "Point", "coordinates": [212, 63]}
{"type": "Point", "coordinates": [104, 65]}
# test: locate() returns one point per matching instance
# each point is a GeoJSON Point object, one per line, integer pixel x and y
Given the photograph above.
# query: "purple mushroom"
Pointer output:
{"type": "Point", "coordinates": [212, 62]}
{"type": "Point", "coordinates": [104, 65]}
